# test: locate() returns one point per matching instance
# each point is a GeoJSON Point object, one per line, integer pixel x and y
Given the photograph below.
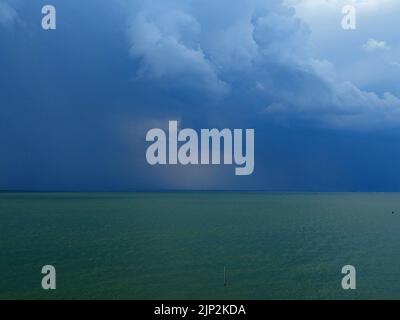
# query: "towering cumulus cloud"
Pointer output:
{"type": "Point", "coordinates": [260, 50]}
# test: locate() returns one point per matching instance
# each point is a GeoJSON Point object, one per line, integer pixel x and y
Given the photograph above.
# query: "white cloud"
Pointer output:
{"type": "Point", "coordinates": [165, 43]}
{"type": "Point", "coordinates": [198, 43]}
{"type": "Point", "coordinates": [375, 45]}
{"type": "Point", "coordinates": [345, 107]}
{"type": "Point", "coordinates": [258, 54]}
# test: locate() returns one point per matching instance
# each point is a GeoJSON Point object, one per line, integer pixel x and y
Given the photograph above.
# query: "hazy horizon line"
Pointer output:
{"type": "Point", "coordinates": [199, 191]}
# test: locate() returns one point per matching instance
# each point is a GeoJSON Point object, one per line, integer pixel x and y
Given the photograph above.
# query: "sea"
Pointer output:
{"type": "Point", "coordinates": [200, 245]}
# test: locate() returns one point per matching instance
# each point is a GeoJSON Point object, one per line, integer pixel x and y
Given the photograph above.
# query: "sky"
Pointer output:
{"type": "Point", "coordinates": [76, 102]}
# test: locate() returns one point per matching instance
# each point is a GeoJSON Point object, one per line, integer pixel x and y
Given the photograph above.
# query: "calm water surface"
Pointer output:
{"type": "Point", "coordinates": [175, 245]}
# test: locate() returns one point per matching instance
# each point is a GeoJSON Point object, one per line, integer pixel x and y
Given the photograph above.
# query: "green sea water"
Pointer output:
{"type": "Point", "coordinates": [175, 245]}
